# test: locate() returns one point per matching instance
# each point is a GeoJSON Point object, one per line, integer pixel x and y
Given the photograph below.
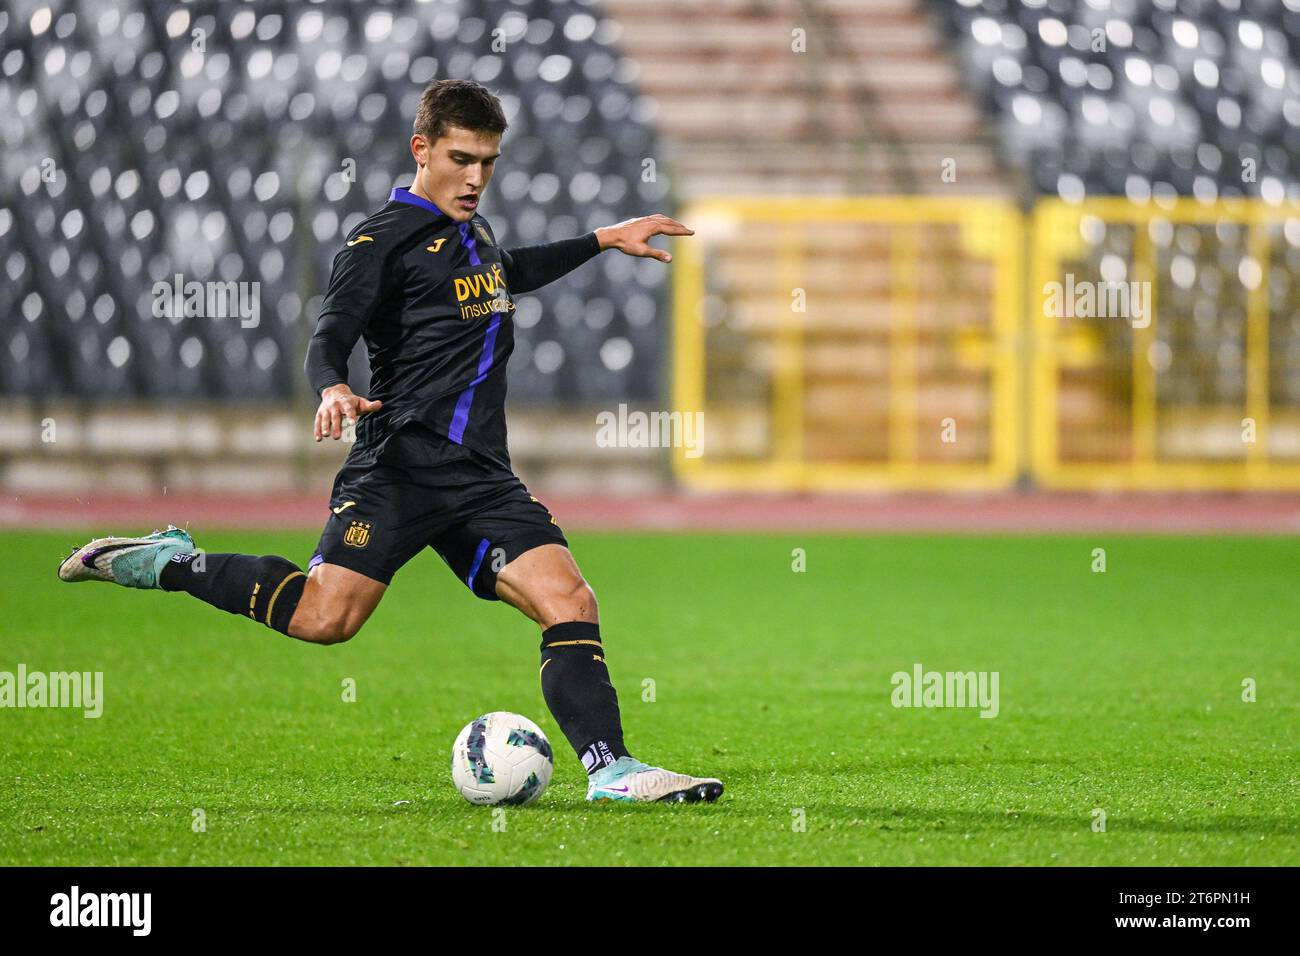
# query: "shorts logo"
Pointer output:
{"type": "Point", "coordinates": [552, 517]}
{"type": "Point", "coordinates": [358, 534]}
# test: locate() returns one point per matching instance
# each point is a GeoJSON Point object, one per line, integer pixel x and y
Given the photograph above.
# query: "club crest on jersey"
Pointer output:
{"type": "Point", "coordinates": [482, 234]}
{"type": "Point", "coordinates": [358, 534]}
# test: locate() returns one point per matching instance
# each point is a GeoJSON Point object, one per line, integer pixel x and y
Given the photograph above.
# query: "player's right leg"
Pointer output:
{"type": "Point", "coordinates": [335, 602]}
{"type": "Point", "coordinates": [326, 607]}
{"type": "Point", "coordinates": [378, 520]}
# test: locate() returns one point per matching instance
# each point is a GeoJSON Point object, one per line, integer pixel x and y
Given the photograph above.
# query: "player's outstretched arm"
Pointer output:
{"type": "Point", "coordinates": [633, 236]}
{"type": "Point", "coordinates": [532, 267]}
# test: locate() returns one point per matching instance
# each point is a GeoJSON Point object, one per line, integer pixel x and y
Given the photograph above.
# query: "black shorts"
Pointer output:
{"type": "Point", "coordinates": [427, 491]}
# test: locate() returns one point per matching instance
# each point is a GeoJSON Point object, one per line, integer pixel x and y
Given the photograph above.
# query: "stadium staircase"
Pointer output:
{"type": "Point", "coordinates": [873, 104]}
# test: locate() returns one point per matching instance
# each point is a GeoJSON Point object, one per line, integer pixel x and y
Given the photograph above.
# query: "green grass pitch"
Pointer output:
{"type": "Point", "coordinates": [1119, 691]}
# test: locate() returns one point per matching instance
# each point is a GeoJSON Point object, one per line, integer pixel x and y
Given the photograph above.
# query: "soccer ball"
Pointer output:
{"type": "Point", "coordinates": [501, 758]}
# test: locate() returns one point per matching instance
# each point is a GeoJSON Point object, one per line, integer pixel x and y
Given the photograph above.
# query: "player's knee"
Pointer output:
{"type": "Point", "coordinates": [574, 602]}
{"type": "Point", "coordinates": [338, 633]}
{"type": "Point", "coordinates": [332, 628]}
{"type": "Point", "coordinates": [584, 596]}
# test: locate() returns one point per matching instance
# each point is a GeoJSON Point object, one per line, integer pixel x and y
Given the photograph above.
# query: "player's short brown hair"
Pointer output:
{"type": "Point", "coordinates": [462, 103]}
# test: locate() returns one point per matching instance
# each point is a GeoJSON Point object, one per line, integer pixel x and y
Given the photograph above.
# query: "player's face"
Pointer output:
{"type": "Point", "coordinates": [455, 171]}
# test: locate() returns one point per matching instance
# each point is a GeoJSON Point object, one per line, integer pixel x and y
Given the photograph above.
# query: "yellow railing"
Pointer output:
{"type": "Point", "coordinates": [1181, 398]}
{"type": "Point", "coordinates": [861, 343]}
{"type": "Point", "coordinates": [785, 406]}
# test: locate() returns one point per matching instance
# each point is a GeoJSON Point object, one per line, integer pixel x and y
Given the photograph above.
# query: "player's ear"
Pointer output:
{"type": "Point", "coordinates": [420, 149]}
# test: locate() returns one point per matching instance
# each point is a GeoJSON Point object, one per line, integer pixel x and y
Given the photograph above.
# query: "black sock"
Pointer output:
{"type": "Point", "coordinates": [576, 685]}
{"type": "Point", "coordinates": [266, 589]}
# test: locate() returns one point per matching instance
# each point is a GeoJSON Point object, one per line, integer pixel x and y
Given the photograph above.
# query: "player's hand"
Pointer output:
{"type": "Point", "coordinates": [631, 236]}
{"type": "Point", "coordinates": [338, 405]}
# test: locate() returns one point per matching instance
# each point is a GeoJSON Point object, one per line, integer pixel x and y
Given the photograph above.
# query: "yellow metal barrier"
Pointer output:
{"type": "Point", "coordinates": [1192, 394]}
{"type": "Point", "coordinates": [870, 343]}
{"type": "Point", "coordinates": [846, 344]}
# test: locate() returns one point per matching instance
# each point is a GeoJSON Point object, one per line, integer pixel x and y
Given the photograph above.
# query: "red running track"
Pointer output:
{"type": "Point", "coordinates": [1029, 512]}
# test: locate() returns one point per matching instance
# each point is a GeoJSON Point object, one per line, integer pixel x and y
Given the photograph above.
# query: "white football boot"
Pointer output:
{"type": "Point", "coordinates": [632, 781]}
{"type": "Point", "coordinates": [130, 562]}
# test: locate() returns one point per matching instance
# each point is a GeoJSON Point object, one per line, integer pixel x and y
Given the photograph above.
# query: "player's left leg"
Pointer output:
{"type": "Point", "coordinates": [326, 604]}
{"type": "Point", "coordinates": [545, 584]}
{"type": "Point", "coordinates": [265, 588]}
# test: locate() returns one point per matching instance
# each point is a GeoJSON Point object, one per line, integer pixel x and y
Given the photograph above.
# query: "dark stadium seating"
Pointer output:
{"type": "Point", "coordinates": [1139, 97]}
{"type": "Point", "coordinates": [1152, 100]}
{"type": "Point", "coordinates": [135, 157]}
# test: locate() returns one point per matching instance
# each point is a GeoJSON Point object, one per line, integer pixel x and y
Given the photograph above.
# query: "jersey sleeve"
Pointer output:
{"type": "Point", "coordinates": [355, 289]}
{"type": "Point", "coordinates": [532, 267]}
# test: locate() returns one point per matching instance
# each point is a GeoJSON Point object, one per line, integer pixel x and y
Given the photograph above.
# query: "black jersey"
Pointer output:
{"type": "Point", "coordinates": [434, 301]}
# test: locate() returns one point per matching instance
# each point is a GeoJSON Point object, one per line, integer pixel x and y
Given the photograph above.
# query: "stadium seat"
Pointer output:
{"type": "Point", "coordinates": [149, 141]}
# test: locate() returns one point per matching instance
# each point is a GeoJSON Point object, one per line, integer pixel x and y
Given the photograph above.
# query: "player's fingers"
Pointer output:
{"type": "Point", "coordinates": [647, 251]}
{"type": "Point", "coordinates": [365, 406]}
{"type": "Point", "coordinates": [336, 421]}
{"type": "Point", "coordinates": [315, 426]}
{"type": "Point", "coordinates": [671, 227]}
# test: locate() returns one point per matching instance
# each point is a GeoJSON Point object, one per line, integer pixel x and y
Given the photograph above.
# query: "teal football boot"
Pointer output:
{"type": "Point", "coordinates": [130, 562]}
{"type": "Point", "coordinates": [631, 781]}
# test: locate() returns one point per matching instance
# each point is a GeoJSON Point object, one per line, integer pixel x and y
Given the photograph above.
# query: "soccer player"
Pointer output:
{"type": "Point", "coordinates": [425, 284]}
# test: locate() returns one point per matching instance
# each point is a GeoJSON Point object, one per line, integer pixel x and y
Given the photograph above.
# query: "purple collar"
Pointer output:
{"type": "Point", "coordinates": [400, 194]}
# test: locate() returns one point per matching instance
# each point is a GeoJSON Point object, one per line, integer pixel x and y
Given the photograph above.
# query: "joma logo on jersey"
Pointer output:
{"type": "Point", "coordinates": [482, 293]}
{"type": "Point", "coordinates": [357, 535]}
